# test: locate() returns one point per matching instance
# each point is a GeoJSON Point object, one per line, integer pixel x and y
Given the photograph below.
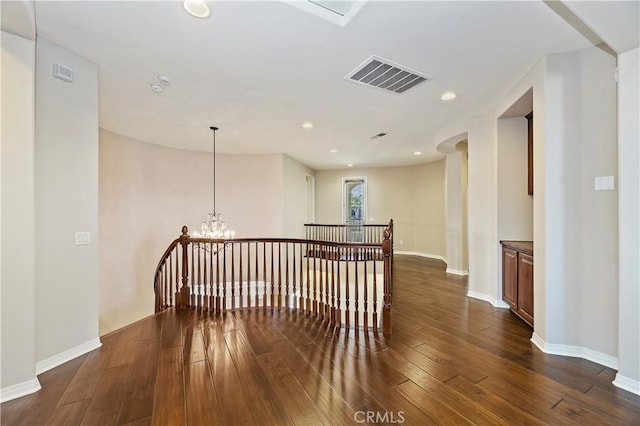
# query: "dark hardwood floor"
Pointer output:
{"type": "Point", "coordinates": [450, 360]}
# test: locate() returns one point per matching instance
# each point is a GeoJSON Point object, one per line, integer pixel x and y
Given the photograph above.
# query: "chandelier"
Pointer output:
{"type": "Point", "coordinates": [214, 227]}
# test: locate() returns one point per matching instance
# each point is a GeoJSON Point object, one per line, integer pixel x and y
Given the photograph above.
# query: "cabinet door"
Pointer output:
{"type": "Point", "coordinates": [510, 276]}
{"type": "Point", "coordinates": [525, 287]}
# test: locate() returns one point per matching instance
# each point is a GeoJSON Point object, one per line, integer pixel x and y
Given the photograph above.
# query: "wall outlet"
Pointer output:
{"type": "Point", "coordinates": [83, 238]}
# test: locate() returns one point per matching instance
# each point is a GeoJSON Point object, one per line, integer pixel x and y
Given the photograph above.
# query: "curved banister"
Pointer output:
{"type": "Point", "coordinates": [341, 282]}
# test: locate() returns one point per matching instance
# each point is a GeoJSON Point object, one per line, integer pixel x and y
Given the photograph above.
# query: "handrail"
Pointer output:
{"type": "Point", "coordinates": [346, 283]}
{"type": "Point", "coordinates": [360, 233]}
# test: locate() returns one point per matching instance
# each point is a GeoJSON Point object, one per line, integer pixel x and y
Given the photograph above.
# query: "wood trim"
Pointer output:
{"type": "Point", "coordinates": [529, 118]}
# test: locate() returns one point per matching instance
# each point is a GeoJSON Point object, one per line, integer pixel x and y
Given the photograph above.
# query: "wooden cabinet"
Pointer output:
{"type": "Point", "coordinates": [517, 278]}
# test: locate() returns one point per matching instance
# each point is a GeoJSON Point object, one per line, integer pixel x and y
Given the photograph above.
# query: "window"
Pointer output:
{"type": "Point", "coordinates": [354, 204]}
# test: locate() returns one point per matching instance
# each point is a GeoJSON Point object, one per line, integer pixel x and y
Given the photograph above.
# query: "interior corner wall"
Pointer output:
{"type": "Point", "coordinates": [481, 204]}
{"type": "Point", "coordinates": [294, 197]}
{"type": "Point", "coordinates": [412, 196]}
{"type": "Point", "coordinates": [66, 158]}
{"type": "Point", "coordinates": [148, 192]}
{"type": "Point", "coordinates": [628, 222]}
{"type": "Point", "coordinates": [18, 214]}
{"type": "Point", "coordinates": [456, 211]}
{"type": "Point", "coordinates": [581, 223]}
{"type": "Point", "coordinates": [515, 205]}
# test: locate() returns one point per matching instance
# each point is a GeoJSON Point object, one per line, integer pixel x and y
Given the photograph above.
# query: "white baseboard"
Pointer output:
{"type": "Point", "coordinates": [457, 271]}
{"type": "Point", "coordinates": [575, 351]}
{"type": "Point", "coordinates": [21, 389]}
{"type": "Point", "coordinates": [415, 253]}
{"type": "Point", "coordinates": [68, 355]}
{"type": "Point", "coordinates": [627, 384]}
{"type": "Point", "coordinates": [487, 298]}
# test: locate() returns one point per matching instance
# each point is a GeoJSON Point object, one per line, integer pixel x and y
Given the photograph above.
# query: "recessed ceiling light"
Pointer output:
{"type": "Point", "coordinates": [417, 153]}
{"type": "Point", "coordinates": [197, 8]}
{"type": "Point", "coordinates": [447, 96]}
{"type": "Point", "coordinates": [307, 125]}
{"type": "Point", "coordinates": [333, 151]}
{"type": "Point", "coordinates": [156, 87]}
{"type": "Point", "coordinates": [350, 165]}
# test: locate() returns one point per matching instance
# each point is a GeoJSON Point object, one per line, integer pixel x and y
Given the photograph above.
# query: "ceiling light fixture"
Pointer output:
{"type": "Point", "coordinates": [447, 96]}
{"type": "Point", "coordinates": [307, 125]}
{"type": "Point", "coordinates": [417, 153]}
{"type": "Point", "coordinates": [197, 8]}
{"type": "Point", "coordinates": [350, 165]}
{"type": "Point", "coordinates": [156, 87]}
{"type": "Point", "coordinates": [214, 226]}
{"type": "Point", "coordinates": [333, 151]}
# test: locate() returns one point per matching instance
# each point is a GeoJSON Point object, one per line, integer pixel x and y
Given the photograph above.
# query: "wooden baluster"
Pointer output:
{"type": "Point", "coordinates": [338, 288]}
{"type": "Point", "coordinates": [291, 303]}
{"type": "Point", "coordinates": [233, 274]}
{"type": "Point", "coordinates": [182, 296]}
{"type": "Point", "coordinates": [212, 298]}
{"type": "Point", "coordinates": [325, 277]}
{"type": "Point", "coordinates": [264, 275]}
{"type": "Point", "coordinates": [333, 290]}
{"type": "Point", "coordinates": [356, 290]}
{"type": "Point", "coordinates": [366, 296]}
{"type": "Point", "coordinates": [314, 291]}
{"type": "Point", "coordinates": [224, 277]}
{"type": "Point", "coordinates": [279, 275]}
{"type": "Point", "coordinates": [195, 294]}
{"type": "Point", "coordinates": [245, 303]}
{"type": "Point", "coordinates": [219, 300]}
{"type": "Point", "coordinates": [172, 281]}
{"type": "Point", "coordinates": [375, 295]}
{"type": "Point", "coordinates": [347, 322]}
{"type": "Point", "coordinates": [308, 304]}
{"type": "Point", "coordinates": [257, 278]}
{"type": "Point", "coordinates": [386, 310]}
{"type": "Point", "coordinates": [301, 269]}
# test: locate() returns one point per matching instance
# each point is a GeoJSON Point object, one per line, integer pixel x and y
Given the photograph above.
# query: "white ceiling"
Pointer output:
{"type": "Point", "coordinates": [258, 70]}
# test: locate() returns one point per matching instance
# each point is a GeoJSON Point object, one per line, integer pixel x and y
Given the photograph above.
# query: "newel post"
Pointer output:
{"type": "Point", "coordinates": [388, 259]}
{"type": "Point", "coordinates": [183, 295]}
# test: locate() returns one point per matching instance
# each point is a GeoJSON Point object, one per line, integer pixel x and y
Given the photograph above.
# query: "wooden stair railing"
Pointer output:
{"type": "Point", "coordinates": [342, 283]}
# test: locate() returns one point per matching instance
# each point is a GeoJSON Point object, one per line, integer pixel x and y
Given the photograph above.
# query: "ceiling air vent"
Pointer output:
{"type": "Point", "coordinates": [384, 74]}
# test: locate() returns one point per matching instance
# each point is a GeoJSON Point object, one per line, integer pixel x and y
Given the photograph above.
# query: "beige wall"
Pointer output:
{"type": "Point", "coordinates": [628, 223]}
{"type": "Point", "coordinates": [295, 197]}
{"type": "Point", "coordinates": [18, 216]}
{"type": "Point", "coordinates": [581, 108]}
{"type": "Point", "coordinates": [147, 192]}
{"type": "Point", "coordinates": [66, 158]}
{"type": "Point", "coordinates": [574, 227]}
{"type": "Point", "coordinates": [412, 196]}
{"type": "Point", "coordinates": [456, 210]}
{"type": "Point", "coordinates": [515, 205]}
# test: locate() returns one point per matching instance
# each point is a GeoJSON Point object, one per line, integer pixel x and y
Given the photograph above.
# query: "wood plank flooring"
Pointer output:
{"type": "Point", "coordinates": [450, 360]}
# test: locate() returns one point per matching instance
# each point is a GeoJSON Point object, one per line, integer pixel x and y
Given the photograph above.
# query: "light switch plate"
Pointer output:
{"type": "Point", "coordinates": [604, 183]}
{"type": "Point", "coordinates": [83, 238]}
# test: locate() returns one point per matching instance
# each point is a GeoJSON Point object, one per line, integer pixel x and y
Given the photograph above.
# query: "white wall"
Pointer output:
{"type": "Point", "coordinates": [515, 206]}
{"type": "Point", "coordinates": [581, 120]}
{"type": "Point", "coordinates": [18, 218]}
{"type": "Point", "coordinates": [412, 196]}
{"type": "Point", "coordinates": [295, 197]}
{"type": "Point", "coordinates": [456, 211]}
{"type": "Point", "coordinates": [148, 192]}
{"type": "Point", "coordinates": [574, 230]}
{"type": "Point", "coordinates": [66, 157]}
{"type": "Point", "coordinates": [628, 222]}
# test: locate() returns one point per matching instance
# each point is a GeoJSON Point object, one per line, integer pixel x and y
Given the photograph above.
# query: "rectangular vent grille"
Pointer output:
{"type": "Point", "coordinates": [384, 74]}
